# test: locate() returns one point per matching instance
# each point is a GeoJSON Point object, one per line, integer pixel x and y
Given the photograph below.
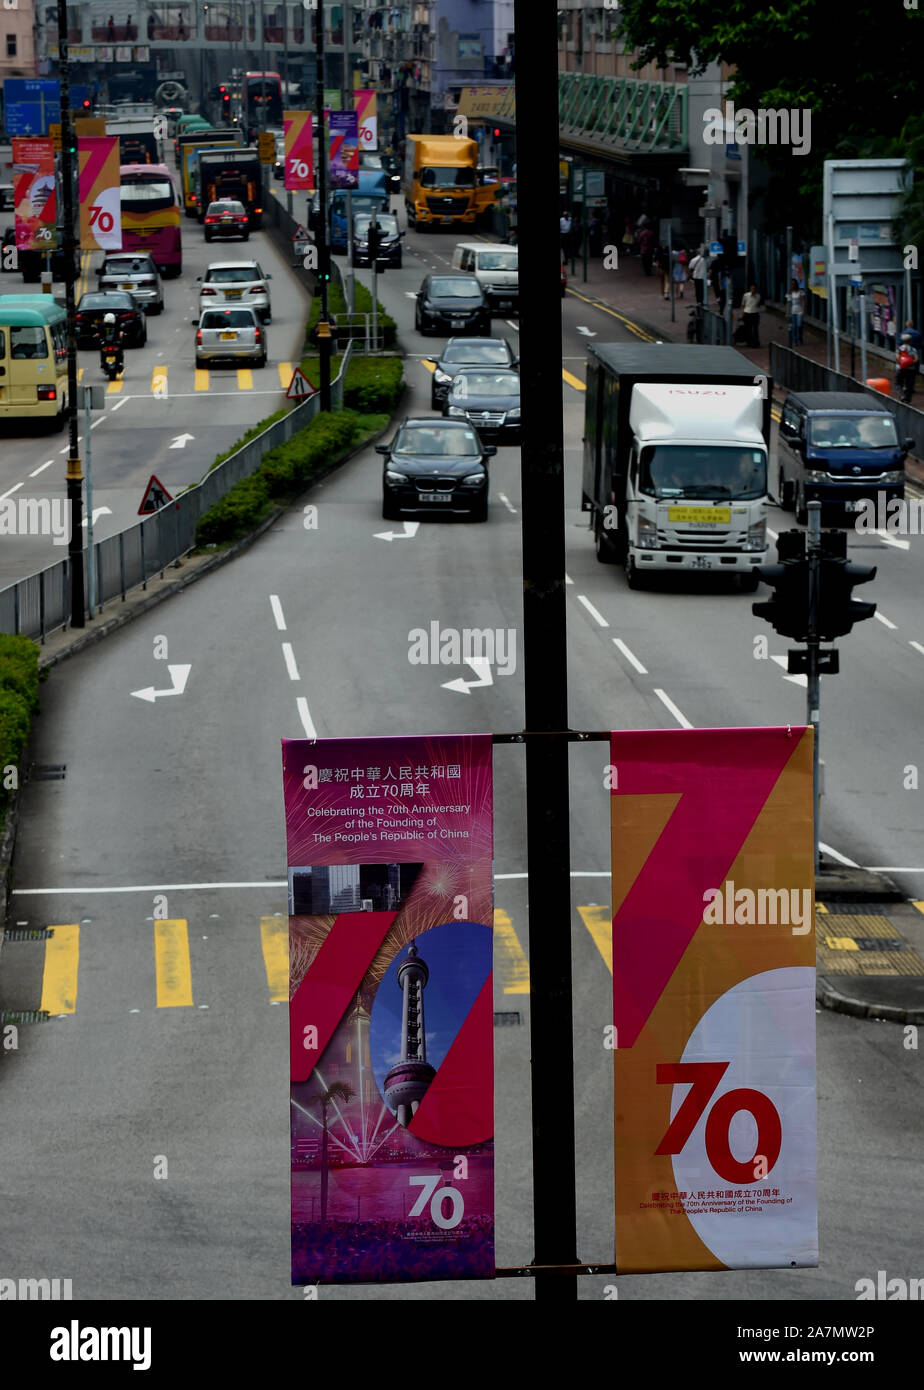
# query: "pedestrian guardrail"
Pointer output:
{"type": "Point", "coordinates": [798, 373]}
{"type": "Point", "coordinates": [40, 603]}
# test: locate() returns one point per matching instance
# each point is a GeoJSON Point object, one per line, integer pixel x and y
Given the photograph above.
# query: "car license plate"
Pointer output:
{"type": "Point", "coordinates": [505, 303]}
{"type": "Point", "coordinates": [855, 506]}
{"type": "Point", "coordinates": [129, 285]}
{"type": "Point", "coordinates": [233, 294]}
{"type": "Point", "coordinates": [435, 496]}
{"type": "Point", "coordinates": [700, 516]}
{"type": "Point", "coordinates": [702, 562]}
{"type": "Point", "coordinates": [226, 221]}
{"type": "Point", "coordinates": [229, 337]}
{"type": "Point", "coordinates": [446, 221]}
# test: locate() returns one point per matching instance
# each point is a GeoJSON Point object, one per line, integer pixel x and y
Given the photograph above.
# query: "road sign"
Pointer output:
{"type": "Point", "coordinates": [300, 243]}
{"type": "Point", "coordinates": [715, 248]}
{"type": "Point", "coordinates": [155, 496]}
{"type": "Point", "coordinates": [54, 130]}
{"type": "Point", "coordinates": [300, 388]}
{"type": "Point", "coordinates": [742, 248]}
{"type": "Point", "coordinates": [266, 147]}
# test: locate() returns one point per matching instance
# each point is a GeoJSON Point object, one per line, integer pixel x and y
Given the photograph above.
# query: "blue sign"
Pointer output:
{"type": "Point", "coordinates": [732, 151]}
{"type": "Point", "coordinates": [742, 248]}
{"type": "Point", "coordinates": [715, 248]}
{"type": "Point", "coordinates": [32, 104]}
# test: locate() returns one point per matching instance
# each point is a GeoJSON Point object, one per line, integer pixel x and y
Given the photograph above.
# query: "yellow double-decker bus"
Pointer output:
{"type": "Point", "coordinates": [33, 359]}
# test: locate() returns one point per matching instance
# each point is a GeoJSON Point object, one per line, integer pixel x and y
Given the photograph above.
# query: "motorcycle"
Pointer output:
{"type": "Point", "coordinates": [112, 360]}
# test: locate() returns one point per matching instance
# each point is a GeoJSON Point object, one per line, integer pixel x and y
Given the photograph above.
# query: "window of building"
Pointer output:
{"type": "Point", "coordinates": [11, 45]}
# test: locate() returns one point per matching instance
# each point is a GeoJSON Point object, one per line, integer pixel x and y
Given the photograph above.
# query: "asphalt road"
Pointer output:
{"type": "Point", "coordinates": [163, 416]}
{"type": "Point", "coordinates": [181, 799]}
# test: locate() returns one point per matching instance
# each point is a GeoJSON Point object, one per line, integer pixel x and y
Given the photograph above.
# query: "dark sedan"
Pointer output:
{"type": "Point", "coordinates": [465, 352]}
{"type": "Point", "coordinates": [488, 400]}
{"type": "Point", "coordinates": [130, 317]}
{"type": "Point", "coordinates": [452, 303]}
{"type": "Point", "coordinates": [435, 466]}
{"type": "Point", "coordinates": [389, 240]}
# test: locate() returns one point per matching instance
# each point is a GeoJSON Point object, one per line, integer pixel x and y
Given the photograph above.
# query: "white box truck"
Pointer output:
{"type": "Point", "coordinates": [676, 440]}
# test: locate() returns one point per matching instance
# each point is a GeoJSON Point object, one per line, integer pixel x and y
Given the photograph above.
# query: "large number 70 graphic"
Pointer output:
{"type": "Point", "coordinates": [703, 1078]}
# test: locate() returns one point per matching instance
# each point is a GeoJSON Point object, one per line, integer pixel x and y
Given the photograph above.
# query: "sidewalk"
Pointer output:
{"type": "Point", "coordinates": [638, 296]}
{"type": "Point", "coordinates": [870, 940]}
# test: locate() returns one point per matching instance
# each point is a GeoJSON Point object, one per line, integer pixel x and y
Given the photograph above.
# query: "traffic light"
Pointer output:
{"type": "Point", "coordinates": [497, 132]}
{"type": "Point", "coordinates": [837, 611]}
{"type": "Point", "coordinates": [375, 241]}
{"type": "Point", "coordinates": [788, 610]}
{"type": "Point", "coordinates": [86, 103]}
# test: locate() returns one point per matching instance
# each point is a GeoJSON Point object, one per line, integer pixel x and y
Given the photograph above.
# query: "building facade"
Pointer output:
{"type": "Point", "coordinates": [17, 48]}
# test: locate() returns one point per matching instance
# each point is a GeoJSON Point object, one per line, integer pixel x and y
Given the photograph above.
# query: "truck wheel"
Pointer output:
{"type": "Point", "coordinates": [603, 548]}
{"type": "Point", "coordinates": [787, 495]}
{"type": "Point", "coordinates": [749, 582]}
{"type": "Point", "coordinates": [801, 508]}
{"type": "Point", "coordinates": [633, 578]}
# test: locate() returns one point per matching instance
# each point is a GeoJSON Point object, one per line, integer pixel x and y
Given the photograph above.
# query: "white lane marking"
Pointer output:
{"type": "Point", "coordinates": [841, 858]}
{"type": "Point", "coordinates": [885, 869]}
{"type": "Point", "coordinates": [885, 622]}
{"type": "Point", "coordinates": [630, 657]}
{"type": "Point", "coordinates": [305, 717]}
{"type": "Point", "coordinates": [97, 512]}
{"type": "Point", "coordinates": [410, 294]}
{"type": "Point", "coordinates": [892, 540]}
{"type": "Point", "coordinates": [575, 873]}
{"type": "Point", "coordinates": [290, 661]}
{"type": "Point", "coordinates": [772, 534]}
{"type": "Point", "coordinates": [597, 617]}
{"type": "Point", "coordinates": [277, 612]}
{"type": "Point", "coordinates": [507, 502]}
{"type": "Point", "coordinates": [120, 402]}
{"type": "Point", "coordinates": [568, 579]}
{"type": "Point", "coordinates": [917, 646]}
{"type": "Point", "coordinates": [669, 704]}
{"type": "Point", "coordinates": [14, 488]}
{"type": "Point", "coordinates": [510, 324]}
{"type": "Point", "coordinates": [41, 468]}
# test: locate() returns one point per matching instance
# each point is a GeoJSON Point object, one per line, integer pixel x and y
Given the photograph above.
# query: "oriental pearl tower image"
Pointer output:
{"type": "Point", "coordinates": [407, 1081]}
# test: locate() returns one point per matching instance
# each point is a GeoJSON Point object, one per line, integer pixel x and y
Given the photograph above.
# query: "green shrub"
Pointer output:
{"type": "Point", "coordinates": [19, 669]}
{"type": "Point", "coordinates": [372, 385]}
{"type": "Point", "coordinates": [240, 511]}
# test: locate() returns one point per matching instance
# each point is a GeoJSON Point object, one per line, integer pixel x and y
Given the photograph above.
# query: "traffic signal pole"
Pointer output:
{"type": "Point", "coordinates": [813, 642]}
{"type": "Point", "coordinates": [74, 472]}
{"type": "Point", "coordinates": [323, 240]}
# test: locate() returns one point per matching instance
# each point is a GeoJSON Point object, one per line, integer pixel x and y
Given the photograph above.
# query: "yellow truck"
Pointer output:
{"type": "Point", "coordinates": [440, 181]}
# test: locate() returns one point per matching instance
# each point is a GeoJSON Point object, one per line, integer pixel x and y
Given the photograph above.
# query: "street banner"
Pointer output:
{"type": "Point", "coordinates": [35, 201]}
{"type": "Point", "coordinates": [366, 103]}
{"type": "Point", "coordinates": [389, 853]}
{"type": "Point", "coordinates": [344, 149]}
{"type": "Point", "coordinates": [713, 999]}
{"type": "Point", "coordinates": [100, 209]}
{"type": "Point", "coordinates": [299, 150]}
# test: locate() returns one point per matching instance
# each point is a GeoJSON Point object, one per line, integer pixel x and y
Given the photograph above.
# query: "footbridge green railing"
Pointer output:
{"type": "Point", "coordinates": [622, 114]}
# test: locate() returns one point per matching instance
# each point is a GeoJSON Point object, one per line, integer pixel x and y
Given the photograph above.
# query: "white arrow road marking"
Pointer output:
{"type": "Point", "coordinates": [784, 662]}
{"type": "Point", "coordinates": [178, 674]}
{"type": "Point", "coordinates": [892, 540]}
{"type": "Point", "coordinates": [98, 512]}
{"type": "Point", "coordinates": [181, 441]}
{"type": "Point", "coordinates": [482, 668]}
{"type": "Point", "coordinates": [410, 530]}
{"type": "Point", "coordinates": [586, 331]}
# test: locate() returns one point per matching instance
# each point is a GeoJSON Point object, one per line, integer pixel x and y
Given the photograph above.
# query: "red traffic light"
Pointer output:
{"type": "Point", "coordinates": [496, 132]}
{"type": "Point", "coordinates": [86, 103]}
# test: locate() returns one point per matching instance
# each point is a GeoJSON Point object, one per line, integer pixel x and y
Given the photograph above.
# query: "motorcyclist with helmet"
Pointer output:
{"type": "Point", "coordinates": [111, 340]}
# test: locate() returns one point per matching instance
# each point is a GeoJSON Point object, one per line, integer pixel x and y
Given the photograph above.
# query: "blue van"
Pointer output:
{"type": "Point", "coordinates": [839, 448]}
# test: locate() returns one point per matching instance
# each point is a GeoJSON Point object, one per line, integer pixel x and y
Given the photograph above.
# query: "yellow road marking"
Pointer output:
{"type": "Point", "coordinates": [202, 379]}
{"type": "Point", "coordinates": [275, 934]}
{"type": "Point", "coordinates": [599, 922]}
{"type": "Point", "coordinates": [244, 379]}
{"type": "Point", "coordinates": [573, 381]}
{"type": "Point", "coordinates": [59, 978]}
{"type": "Point", "coordinates": [514, 967]}
{"type": "Point", "coordinates": [171, 957]}
{"type": "Point", "coordinates": [604, 309]}
{"type": "Point", "coordinates": [79, 375]}
{"type": "Point", "coordinates": [159, 381]}
{"type": "Point", "coordinates": [285, 374]}
{"type": "Point", "coordinates": [841, 943]}
{"type": "Point", "coordinates": [114, 387]}
{"type": "Point", "coordinates": [919, 906]}
{"type": "Point", "coordinates": [430, 366]}
{"type": "Point", "coordinates": [820, 907]}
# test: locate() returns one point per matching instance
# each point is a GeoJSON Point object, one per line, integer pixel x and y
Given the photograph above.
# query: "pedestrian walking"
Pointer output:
{"type": "Point", "coordinates": [628, 238]}
{"type": "Point", "coordinates": [795, 313]}
{"type": "Point", "coordinates": [564, 231]}
{"type": "Point", "coordinates": [679, 272]}
{"type": "Point", "coordinates": [913, 334]}
{"type": "Point", "coordinates": [906, 366]}
{"type": "Point", "coordinates": [646, 246]}
{"type": "Point", "coordinates": [750, 311]}
{"type": "Point", "coordinates": [697, 272]}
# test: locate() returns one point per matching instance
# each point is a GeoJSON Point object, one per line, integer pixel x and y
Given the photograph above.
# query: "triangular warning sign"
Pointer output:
{"type": "Point", "coordinates": [155, 497]}
{"type": "Point", "coordinates": [300, 233]}
{"type": "Point", "coordinates": [300, 387]}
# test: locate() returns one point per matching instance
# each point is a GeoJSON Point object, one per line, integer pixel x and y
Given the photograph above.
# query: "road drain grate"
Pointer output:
{"type": "Point", "coordinates": [23, 1016]}
{"type": "Point", "coordinates": [27, 933]}
{"type": "Point", "coordinates": [47, 772]}
{"type": "Point", "coordinates": [506, 1018]}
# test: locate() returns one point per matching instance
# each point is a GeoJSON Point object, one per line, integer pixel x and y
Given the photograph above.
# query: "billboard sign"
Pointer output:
{"type": "Point", "coordinates": [344, 149]}
{"type": "Point", "coordinates": [35, 200]}
{"type": "Point", "coordinates": [298, 173]}
{"type": "Point", "coordinates": [100, 208]}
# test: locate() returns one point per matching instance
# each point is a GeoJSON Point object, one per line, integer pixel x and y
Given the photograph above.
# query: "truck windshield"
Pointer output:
{"type": "Point", "coordinates": [854, 432]}
{"type": "Point", "coordinates": [675, 470]}
{"type": "Point", "coordinates": [447, 178]}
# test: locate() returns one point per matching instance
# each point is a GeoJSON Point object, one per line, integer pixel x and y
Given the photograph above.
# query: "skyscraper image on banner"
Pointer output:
{"type": "Point", "coordinates": [391, 1008]}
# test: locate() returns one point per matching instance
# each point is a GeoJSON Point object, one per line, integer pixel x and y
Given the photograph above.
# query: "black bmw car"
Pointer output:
{"type": "Point", "coordinates": [435, 466]}
{"type": "Point", "coordinates": [489, 399]}
{"type": "Point", "coordinates": [92, 309]}
{"type": "Point", "coordinates": [452, 303]}
{"type": "Point", "coordinates": [465, 352]}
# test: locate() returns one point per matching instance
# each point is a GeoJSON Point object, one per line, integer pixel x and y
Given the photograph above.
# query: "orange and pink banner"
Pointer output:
{"type": "Point", "coordinates": [35, 202]}
{"type": "Point", "coordinates": [391, 1022]}
{"type": "Point", "coordinates": [714, 999]}
{"type": "Point", "coordinates": [365, 101]}
{"type": "Point", "coordinates": [298, 173]}
{"type": "Point", "coordinates": [100, 208]}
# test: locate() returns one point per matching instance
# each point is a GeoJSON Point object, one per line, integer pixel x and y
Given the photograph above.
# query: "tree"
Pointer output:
{"type": "Point", "coordinates": [336, 1091]}
{"type": "Point", "coordinates": [844, 66]}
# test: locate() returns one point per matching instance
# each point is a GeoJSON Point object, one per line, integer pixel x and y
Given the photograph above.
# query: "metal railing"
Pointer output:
{"type": "Point", "coordinates": [797, 373]}
{"type": "Point", "coordinates": [40, 603]}
{"type": "Point", "coordinates": [623, 113]}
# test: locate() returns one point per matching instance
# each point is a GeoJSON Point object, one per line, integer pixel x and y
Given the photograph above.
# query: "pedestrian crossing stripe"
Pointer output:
{"type": "Point", "coordinates": [172, 968]}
